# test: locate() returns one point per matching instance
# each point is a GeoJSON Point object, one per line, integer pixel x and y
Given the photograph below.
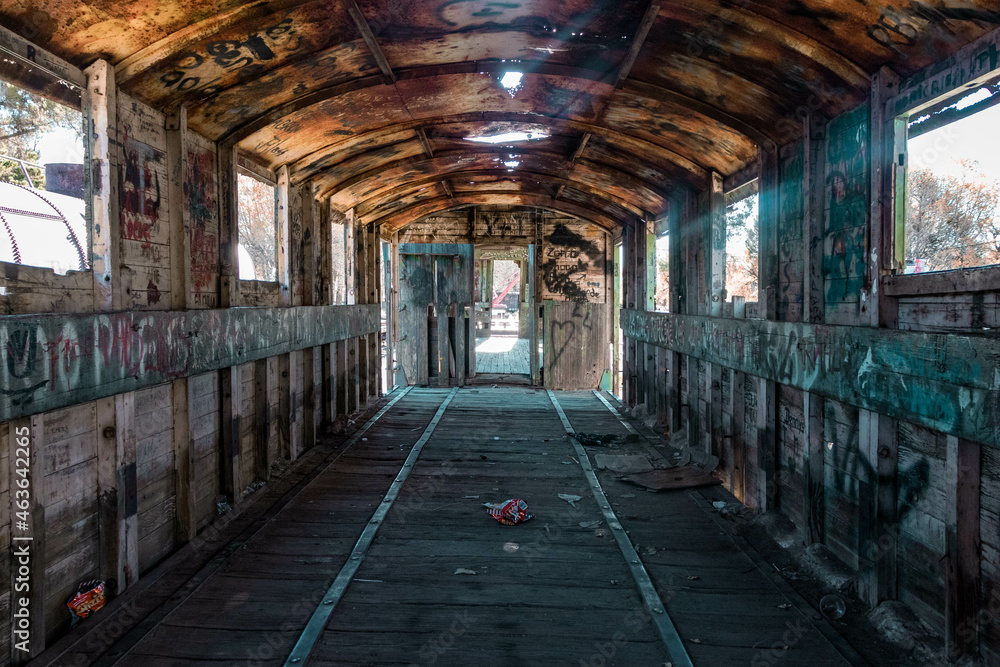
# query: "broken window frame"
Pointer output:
{"type": "Point", "coordinates": [751, 188]}
{"type": "Point", "coordinates": [249, 169]}
{"type": "Point", "coordinates": [31, 75]}
{"type": "Point", "coordinates": [661, 232]}
{"type": "Point", "coordinates": [939, 114]}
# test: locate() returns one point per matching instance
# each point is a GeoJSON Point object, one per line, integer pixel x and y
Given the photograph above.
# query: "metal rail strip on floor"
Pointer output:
{"type": "Point", "coordinates": [120, 649]}
{"type": "Point", "coordinates": [668, 632]}
{"type": "Point", "coordinates": [607, 404]}
{"type": "Point", "coordinates": [317, 622]}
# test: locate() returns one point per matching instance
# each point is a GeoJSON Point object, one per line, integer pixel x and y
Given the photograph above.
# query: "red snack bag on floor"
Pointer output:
{"type": "Point", "coordinates": [509, 512]}
{"type": "Point", "coordinates": [88, 599]}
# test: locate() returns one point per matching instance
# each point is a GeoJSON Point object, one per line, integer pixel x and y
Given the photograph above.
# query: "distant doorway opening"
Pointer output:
{"type": "Point", "coordinates": [502, 338]}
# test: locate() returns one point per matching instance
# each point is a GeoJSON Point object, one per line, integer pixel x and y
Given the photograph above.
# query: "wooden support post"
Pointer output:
{"type": "Point", "coordinates": [232, 400]}
{"type": "Point", "coordinates": [296, 390]}
{"type": "Point", "coordinates": [101, 102]}
{"type": "Point", "coordinates": [310, 360]}
{"type": "Point", "coordinates": [261, 421]}
{"type": "Point", "coordinates": [629, 299]}
{"type": "Point", "coordinates": [375, 339]}
{"type": "Point", "coordinates": [342, 370]}
{"type": "Point", "coordinates": [185, 478]}
{"type": "Point", "coordinates": [286, 397]}
{"type": "Point", "coordinates": [352, 376]}
{"type": "Point", "coordinates": [813, 311]}
{"type": "Point", "coordinates": [767, 394]}
{"type": "Point", "coordinates": [118, 506]}
{"type": "Point", "coordinates": [962, 572]}
{"type": "Point", "coordinates": [229, 231]}
{"type": "Point", "coordinates": [329, 360]}
{"type": "Point", "coordinates": [283, 228]}
{"type": "Point", "coordinates": [676, 285]}
{"type": "Point", "coordinates": [26, 444]}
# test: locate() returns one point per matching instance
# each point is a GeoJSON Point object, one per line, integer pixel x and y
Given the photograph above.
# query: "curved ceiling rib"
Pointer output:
{"type": "Point", "coordinates": [382, 196]}
{"type": "Point", "coordinates": [399, 219]}
{"type": "Point", "coordinates": [618, 185]}
{"type": "Point", "coordinates": [327, 156]}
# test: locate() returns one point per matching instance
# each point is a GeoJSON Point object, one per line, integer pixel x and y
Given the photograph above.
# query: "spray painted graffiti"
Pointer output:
{"type": "Point", "coordinates": [573, 267]}
{"type": "Point", "coordinates": [50, 362]}
{"type": "Point", "coordinates": [200, 200]}
{"type": "Point", "coordinates": [140, 190]}
{"type": "Point", "coordinates": [947, 383]}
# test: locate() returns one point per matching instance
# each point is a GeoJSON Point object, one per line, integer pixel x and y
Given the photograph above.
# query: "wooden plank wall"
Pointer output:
{"type": "Point", "coordinates": [904, 488]}
{"type": "Point", "coordinates": [144, 400]}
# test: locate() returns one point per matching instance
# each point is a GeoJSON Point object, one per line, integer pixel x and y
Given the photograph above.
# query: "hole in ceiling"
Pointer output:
{"type": "Point", "coordinates": [508, 136]}
{"type": "Point", "coordinates": [511, 81]}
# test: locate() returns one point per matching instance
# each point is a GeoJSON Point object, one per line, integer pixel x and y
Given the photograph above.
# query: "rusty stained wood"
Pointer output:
{"type": "Point", "coordinates": [378, 185]}
{"type": "Point", "coordinates": [945, 382]}
{"type": "Point", "coordinates": [52, 361]}
{"type": "Point", "coordinates": [491, 123]}
{"type": "Point", "coordinates": [402, 218]}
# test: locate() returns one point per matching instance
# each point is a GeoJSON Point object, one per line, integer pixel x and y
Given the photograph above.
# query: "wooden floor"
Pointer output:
{"type": "Point", "coordinates": [502, 355]}
{"type": "Point", "coordinates": [547, 592]}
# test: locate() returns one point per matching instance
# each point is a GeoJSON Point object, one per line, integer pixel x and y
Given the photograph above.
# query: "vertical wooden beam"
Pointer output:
{"type": "Point", "coordinates": [118, 505]}
{"type": "Point", "coordinates": [738, 477]}
{"type": "Point", "coordinates": [185, 479]}
{"type": "Point", "coordinates": [296, 394]}
{"type": "Point", "coordinates": [342, 368]}
{"type": "Point", "coordinates": [715, 246]}
{"type": "Point", "coordinates": [286, 417]}
{"type": "Point", "coordinates": [813, 311]}
{"type": "Point", "coordinates": [767, 394]}
{"type": "Point", "coordinates": [231, 388]}
{"type": "Point", "coordinates": [352, 376]}
{"type": "Point", "coordinates": [962, 573]}
{"type": "Point", "coordinates": [261, 421]}
{"type": "Point", "coordinates": [629, 300]}
{"type": "Point", "coordinates": [284, 236]}
{"type": "Point", "coordinates": [100, 100]}
{"type": "Point", "coordinates": [374, 296]}
{"type": "Point", "coordinates": [676, 283]}
{"type": "Point", "coordinates": [229, 229]}
{"type": "Point", "coordinates": [26, 444]}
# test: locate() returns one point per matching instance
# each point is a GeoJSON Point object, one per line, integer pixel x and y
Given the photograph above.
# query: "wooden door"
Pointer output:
{"type": "Point", "coordinates": [436, 341]}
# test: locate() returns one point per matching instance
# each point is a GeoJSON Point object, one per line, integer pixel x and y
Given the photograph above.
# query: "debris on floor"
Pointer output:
{"type": "Point", "coordinates": [222, 506]}
{"type": "Point", "coordinates": [590, 524]}
{"type": "Point", "coordinates": [89, 597]}
{"type": "Point", "coordinates": [509, 512]}
{"type": "Point", "coordinates": [726, 509]}
{"type": "Point", "coordinates": [684, 477]}
{"type": "Point", "coordinates": [622, 463]}
{"type": "Point", "coordinates": [571, 499]}
{"type": "Point", "coordinates": [463, 570]}
{"type": "Point", "coordinates": [832, 606]}
{"type": "Point", "coordinates": [595, 439]}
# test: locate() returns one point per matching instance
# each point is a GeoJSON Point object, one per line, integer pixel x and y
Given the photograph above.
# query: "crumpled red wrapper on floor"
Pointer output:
{"type": "Point", "coordinates": [89, 598]}
{"type": "Point", "coordinates": [509, 512]}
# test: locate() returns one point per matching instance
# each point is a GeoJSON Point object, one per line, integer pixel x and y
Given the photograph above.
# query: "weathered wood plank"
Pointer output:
{"type": "Point", "coordinates": [945, 382]}
{"type": "Point", "coordinates": [59, 360]}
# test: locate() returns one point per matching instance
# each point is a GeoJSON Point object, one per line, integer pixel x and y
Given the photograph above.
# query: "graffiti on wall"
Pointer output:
{"type": "Point", "coordinates": [139, 186]}
{"type": "Point", "coordinates": [847, 186]}
{"type": "Point", "coordinates": [947, 383]}
{"type": "Point", "coordinates": [572, 267]}
{"type": "Point", "coordinates": [200, 200]}
{"type": "Point", "coordinates": [50, 362]}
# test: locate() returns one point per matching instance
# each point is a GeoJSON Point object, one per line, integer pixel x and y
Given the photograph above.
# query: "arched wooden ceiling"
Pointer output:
{"type": "Point", "coordinates": [375, 100]}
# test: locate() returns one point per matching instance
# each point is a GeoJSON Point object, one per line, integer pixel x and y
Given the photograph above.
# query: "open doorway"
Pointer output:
{"type": "Point", "coordinates": [503, 317]}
